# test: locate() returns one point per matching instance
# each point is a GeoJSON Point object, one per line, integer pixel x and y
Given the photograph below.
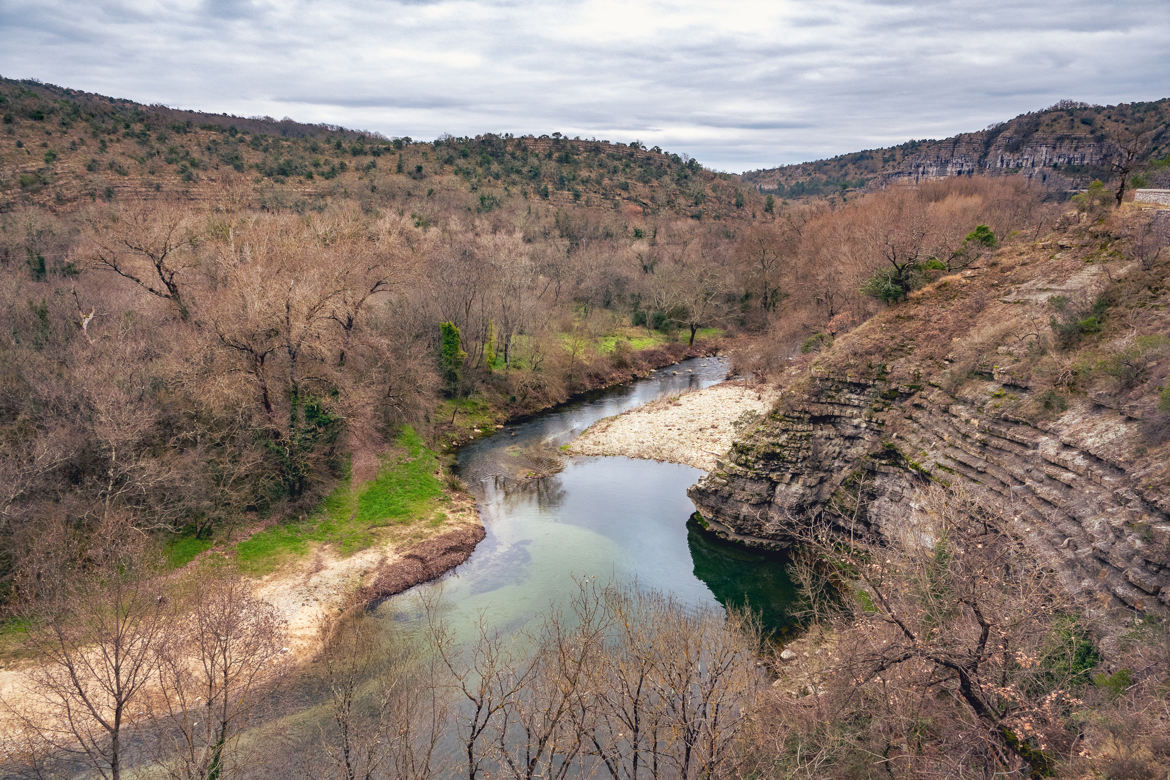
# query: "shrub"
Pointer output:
{"type": "Point", "coordinates": [1114, 684]}
{"type": "Point", "coordinates": [1094, 201]}
{"type": "Point", "coordinates": [1069, 655]}
{"type": "Point", "coordinates": [1070, 324]}
{"type": "Point", "coordinates": [815, 343]}
{"type": "Point", "coordinates": [622, 352]}
{"type": "Point", "coordinates": [981, 236]}
{"type": "Point", "coordinates": [1052, 401]}
{"type": "Point", "coordinates": [889, 285]}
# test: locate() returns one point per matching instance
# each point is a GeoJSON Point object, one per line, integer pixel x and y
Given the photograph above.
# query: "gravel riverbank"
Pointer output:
{"type": "Point", "coordinates": [694, 428]}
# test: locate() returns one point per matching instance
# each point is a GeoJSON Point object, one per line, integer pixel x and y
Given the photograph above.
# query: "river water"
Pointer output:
{"type": "Point", "coordinates": [611, 518]}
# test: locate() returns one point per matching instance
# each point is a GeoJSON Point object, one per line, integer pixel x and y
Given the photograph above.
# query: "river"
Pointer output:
{"type": "Point", "coordinates": [611, 518]}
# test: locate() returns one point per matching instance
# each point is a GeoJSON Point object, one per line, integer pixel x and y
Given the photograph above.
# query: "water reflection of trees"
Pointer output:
{"type": "Point", "coordinates": [743, 578]}
{"type": "Point", "coordinates": [548, 491]}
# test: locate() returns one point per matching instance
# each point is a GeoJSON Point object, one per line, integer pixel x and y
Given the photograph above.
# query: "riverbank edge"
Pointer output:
{"type": "Point", "coordinates": [641, 365]}
{"type": "Point", "coordinates": [392, 570]}
{"type": "Point", "coordinates": [397, 570]}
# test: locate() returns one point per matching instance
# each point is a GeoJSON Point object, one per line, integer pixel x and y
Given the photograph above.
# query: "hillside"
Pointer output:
{"type": "Point", "coordinates": [211, 323]}
{"type": "Point", "coordinates": [1035, 380]}
{"type": "Point", "coordinates": [1063, 147]}
{"type": "Point", "coordinates": [60, 146]}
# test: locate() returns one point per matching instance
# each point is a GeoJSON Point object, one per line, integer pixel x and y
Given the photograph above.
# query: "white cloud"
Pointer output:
{"type": "Point", "coordinates": [738, 85]}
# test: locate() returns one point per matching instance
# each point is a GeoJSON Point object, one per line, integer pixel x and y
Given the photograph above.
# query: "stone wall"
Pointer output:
{"type": "Point", "coordinates": [1156, 197]}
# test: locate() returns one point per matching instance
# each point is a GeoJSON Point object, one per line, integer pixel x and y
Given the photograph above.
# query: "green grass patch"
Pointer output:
{"type": "Point", "coordinates": [262, 551]}
{"type": "Point", "coordinates": [14, 629]}
{"type": "Point", "coordinates": [637, 339]}
{"type": "Point", "coordinates": [406, 488]}
{"type": "Point", "coordinates": [13, 636]}
{"type": "Point", "coordinates": [181, 550]}
{"type": "Point", "coordinates": [465, 416]}
{"type": "Point", "coordinates": [708, 333]}
{"type": "Point", "coordinates": [473, 412]}
{"type": "Point", "coordinates": [519, 355]}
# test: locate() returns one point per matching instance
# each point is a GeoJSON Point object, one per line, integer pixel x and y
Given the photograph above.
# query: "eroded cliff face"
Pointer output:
{"type": "Point", "coordinates": [1058, 161]}
{"type": "Point", "coordinates": [1063, 147]}
{"type": "Point", "coordinates": [964, 386]}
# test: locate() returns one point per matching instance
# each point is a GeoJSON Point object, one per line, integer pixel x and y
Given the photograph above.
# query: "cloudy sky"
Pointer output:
{"type": "Point", "coordinates": [737, 84]}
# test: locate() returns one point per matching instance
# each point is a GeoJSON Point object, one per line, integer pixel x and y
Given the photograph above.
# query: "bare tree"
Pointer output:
{"type": "Point", "coordinates": [541, 732]}
{"type": "Point", "coordinates": [96, 638]}
{"type": "Point", "coordinates": [149, 245]}
{"type": "Point", "coordinates": [387, 709]}
{"type": "Point", "coordinates": [690, 290]}
{"type": "Point", "coordinates": [222, 649]}
{"type": "Point", "coordinates": [372, 260]}
{"type": "Point", "coordinates": [273, 313]}
{"type": "Point", "coordinates": [958, 629]}
{"type": "Point", "coordinates": [487, 684]}
{"type": "Point", "coordinates": [1132, 145]}
{"type": "Point", "coordinates": [626, 683]}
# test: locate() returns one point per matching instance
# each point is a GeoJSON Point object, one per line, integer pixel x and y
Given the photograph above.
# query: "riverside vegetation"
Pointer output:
{"type": "Point", "coordinates": [229, 341]}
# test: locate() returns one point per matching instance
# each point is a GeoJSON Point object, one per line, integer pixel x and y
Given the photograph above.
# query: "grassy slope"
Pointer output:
{"type": "Point", "coordinates": [407, 490]}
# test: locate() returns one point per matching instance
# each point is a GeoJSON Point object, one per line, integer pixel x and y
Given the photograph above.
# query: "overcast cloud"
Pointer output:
{"type": "Point", "coordinates": [738, 85]}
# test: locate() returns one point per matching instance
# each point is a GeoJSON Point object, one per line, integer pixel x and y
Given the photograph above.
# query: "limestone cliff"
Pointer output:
{"type": "Point", "coordinates": [973, 383]}
{"type": "Point", "coordinates": [1063, 147]}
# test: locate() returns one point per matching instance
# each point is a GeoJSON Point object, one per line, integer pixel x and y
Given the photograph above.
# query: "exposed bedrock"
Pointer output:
{"type": "Point", "coordinates": [868, 449]}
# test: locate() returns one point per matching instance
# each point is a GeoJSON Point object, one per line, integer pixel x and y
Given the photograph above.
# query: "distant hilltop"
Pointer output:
{"type": "Point", "coordinates": [1064, 147]}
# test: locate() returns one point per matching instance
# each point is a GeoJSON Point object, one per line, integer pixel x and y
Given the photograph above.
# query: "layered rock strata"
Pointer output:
{"type": "Point", "coordinates": [867, 449]}
{"type": "Point", "coordinates": [893, 408]}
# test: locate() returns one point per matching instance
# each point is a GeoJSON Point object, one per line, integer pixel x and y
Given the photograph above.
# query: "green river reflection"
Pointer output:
{"type": "Point", "coordinates": [614, 519]}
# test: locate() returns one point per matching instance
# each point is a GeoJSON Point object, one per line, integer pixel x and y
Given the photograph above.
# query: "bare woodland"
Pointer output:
{"type": "Point", "coordinates": [196, 367]}
{"type": "Point", "coordinates": [205, 359]}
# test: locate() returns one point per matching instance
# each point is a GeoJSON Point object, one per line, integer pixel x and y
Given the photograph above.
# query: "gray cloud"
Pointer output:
{"type": "Point", "coordinates": [738, 86]}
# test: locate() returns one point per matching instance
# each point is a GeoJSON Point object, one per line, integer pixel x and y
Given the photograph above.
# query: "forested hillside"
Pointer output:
{"type": "Point", "coordinates": [60, 146]}
{"type": "Point", "coordinates": [211, 321]}
{"type": "Point", "coordinates": [1063, 147]}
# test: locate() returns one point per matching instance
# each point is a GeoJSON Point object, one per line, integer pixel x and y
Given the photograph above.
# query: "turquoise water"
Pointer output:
{"type": "Point", "coordinates": [609, 518]}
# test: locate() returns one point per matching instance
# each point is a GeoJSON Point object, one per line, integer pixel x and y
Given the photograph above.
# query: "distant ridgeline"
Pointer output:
{"type": "Point", "coordinates": [60, 146]}
{"type": "Point", "coordinates": [1063, 147]}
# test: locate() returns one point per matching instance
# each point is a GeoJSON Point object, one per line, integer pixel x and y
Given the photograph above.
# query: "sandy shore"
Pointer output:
{"type": "Point", "coordinates": [311, 593]}
{"type": "Point", "coordinates": [695, 428]}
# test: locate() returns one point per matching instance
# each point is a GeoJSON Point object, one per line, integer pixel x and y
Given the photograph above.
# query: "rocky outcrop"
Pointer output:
{"type": "Point", "coordinates": [1058, 161]}
{"type": "Point", "coordinates": [1063, 147]}
{"type": "Point", "coordinates": [866, 449]}
{"type": "Point", "coordinates": [923, 395]}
